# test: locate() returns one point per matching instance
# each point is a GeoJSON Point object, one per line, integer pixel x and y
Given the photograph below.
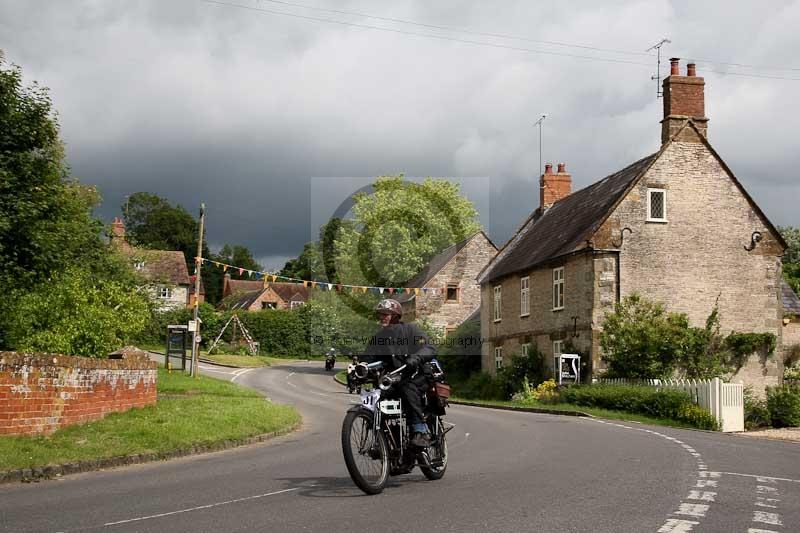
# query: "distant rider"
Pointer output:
{"type": "Point", "coordinates": [397, 344]}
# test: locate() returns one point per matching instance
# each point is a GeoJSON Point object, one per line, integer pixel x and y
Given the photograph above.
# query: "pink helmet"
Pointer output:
{"type": "Point", "coordinates": [389, 306]}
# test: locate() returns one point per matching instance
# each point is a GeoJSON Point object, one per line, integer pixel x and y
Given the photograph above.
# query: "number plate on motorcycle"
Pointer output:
{"type": "Point", "coordinates": [370, 399]}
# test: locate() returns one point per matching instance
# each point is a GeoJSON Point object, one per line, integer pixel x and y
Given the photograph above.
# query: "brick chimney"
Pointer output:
{"type": "Point", "coordinates": [118, 234]}
{"type": "Point", "coordinates": [684, 98]}
{"type": "Point", "coordinates": [553, 187]}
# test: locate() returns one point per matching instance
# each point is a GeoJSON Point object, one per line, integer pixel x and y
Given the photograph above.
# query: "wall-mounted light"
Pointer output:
{"type": "Point", "coordinates": [755, 238]}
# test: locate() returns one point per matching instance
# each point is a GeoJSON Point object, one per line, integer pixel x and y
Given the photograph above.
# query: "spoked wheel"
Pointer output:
{"type": "Point", "coordinates": [365, 452]}
{"type": "Point", "coordinates": [437, 453]}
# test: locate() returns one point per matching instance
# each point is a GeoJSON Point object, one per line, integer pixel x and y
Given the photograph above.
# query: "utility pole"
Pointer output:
{"type": "Point", "coordinates": [539, 123]}
{"type": "Point", "coordinates": [657, 77]}
{"type": "Point", "coordinates": [198, 264]}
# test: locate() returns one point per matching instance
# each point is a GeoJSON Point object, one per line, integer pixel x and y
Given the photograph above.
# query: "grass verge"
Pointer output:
{"type": "Point", "coordinates": [596, 412]}
{"type": "Point", "coordinates": [189, 412]}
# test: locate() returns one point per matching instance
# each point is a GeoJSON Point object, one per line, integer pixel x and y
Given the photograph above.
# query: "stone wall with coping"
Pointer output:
{"type": "Point", "coordinates": [40, 393]}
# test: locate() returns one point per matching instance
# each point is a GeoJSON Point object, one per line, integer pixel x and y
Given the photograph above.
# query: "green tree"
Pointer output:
{"type": "Point", "coordinates": [153, 222]}
{"type": "Point", "coordinates": [308, 265]}
{"type": "Point", "coordinates": [76, 313]}
{"type": "Point", "coordinates": [398, 228]}
{"type": "Point", "coordinates": [46, 225]}
{"type": "Point", "coordinates": [791, 258]}
{"type": "Point", "coordinates": [640, 339]}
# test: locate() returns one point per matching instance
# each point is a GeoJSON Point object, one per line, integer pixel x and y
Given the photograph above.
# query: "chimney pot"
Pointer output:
{"type": "Point", "coordinates": [673, 69]}
{"type": "Point", "coordinates": [548, 168]}
{"type": "Point", "coordinates": [690, 70]}
{"type": "Point", "coordinates": [561, 167]}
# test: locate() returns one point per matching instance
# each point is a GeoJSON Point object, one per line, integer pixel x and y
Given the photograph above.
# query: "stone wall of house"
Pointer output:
{"type": "Point", "coordinates": [462, 269]}
{"type": "Point", "coordinates": [40, 393]}
{"type": "Point", "coordinates": [543, 326]}
{"type": "Point", "coordinates": [179, 299]}
{"type": "Point", "coordinates": [791, 333]}
{"type": "Point", "coordinates": [698, 258]}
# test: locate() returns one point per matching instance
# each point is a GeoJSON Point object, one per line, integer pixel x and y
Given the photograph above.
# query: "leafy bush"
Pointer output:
{"type": "Point", "coordinates": [649, 401]}
{"type": "Point", "coordinates": [641, 340]}
{"type": "Point", "coordinates": [480, 386]}
{"type": "Point", "coordinates": [545, 392]}
{"type": "Point", "coordinates": [279, 332]}
{"type": "Point", "coordinates": [461, 354]}
{"type": "Point", "coordinates": [784, 406]}
{"type": "Point", "coordinates": [756, 413]}
{"type": "Point", "coordinates": [77, 313]}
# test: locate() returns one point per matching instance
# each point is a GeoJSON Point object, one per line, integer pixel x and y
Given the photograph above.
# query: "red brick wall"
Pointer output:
{"type": "Point", "coordinates": [40, 393]}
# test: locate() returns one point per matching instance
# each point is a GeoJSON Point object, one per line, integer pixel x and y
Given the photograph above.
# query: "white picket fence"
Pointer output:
{"type": "Point", "coordinates": [723, 400]}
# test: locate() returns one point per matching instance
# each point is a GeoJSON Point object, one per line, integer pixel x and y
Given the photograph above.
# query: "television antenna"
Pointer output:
{"type": "Point", "coordinates": [657, 77]}
{"type": "Point", "coordinates": [539, 123]}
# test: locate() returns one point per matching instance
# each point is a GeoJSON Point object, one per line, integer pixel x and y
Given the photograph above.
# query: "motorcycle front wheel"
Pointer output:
{"type": "Point", "coordinates": [365, 451]}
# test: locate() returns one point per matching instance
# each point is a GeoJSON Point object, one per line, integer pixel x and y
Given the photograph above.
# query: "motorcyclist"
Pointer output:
{"type": "Point", "coordinates": [330, 359]}
{"type": "Point", "coordinates": [397, 344]}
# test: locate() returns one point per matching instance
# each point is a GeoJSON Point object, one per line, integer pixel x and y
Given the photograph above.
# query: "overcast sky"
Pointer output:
{"type": "Point", "coordinates": [272, 120]}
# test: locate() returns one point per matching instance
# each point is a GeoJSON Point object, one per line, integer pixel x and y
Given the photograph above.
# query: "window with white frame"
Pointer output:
{"type": "Point", "coordinates": [525, 349]}
{"type": "Point", "coordinates": [138, 265]}
{"type": "Point", "coordinates": [558, 347]}
{"type": "Point", "coordinates": [498, 357]}
{"type": "Point", "coordinates": [497, 302]}
{"type": "Point", "coordinates": [558, 288]}
{"type": "Point", "coordinates": [294, 304]}
{"type": "Point", "coordinates": [524, 296]}
{"type": "Point", "coordinates": [656, 205]}
{"type": "Point", "coordinates": [165, 293]}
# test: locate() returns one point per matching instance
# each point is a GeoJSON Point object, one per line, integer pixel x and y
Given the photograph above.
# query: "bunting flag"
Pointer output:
{"type": "Point", "coordinates": [339, 287]}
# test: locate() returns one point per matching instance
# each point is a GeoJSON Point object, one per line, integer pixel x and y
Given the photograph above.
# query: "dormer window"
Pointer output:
{"type": "Point", "coordinates": [656, 205]}
{"type": "Point", "coordinates": [165, 293]}
{"type": "Point", "coordinates": [138, 265]}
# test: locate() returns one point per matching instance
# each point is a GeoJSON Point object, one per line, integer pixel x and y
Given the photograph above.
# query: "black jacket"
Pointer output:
{"type": "Point", "coordinates": [393, 343]}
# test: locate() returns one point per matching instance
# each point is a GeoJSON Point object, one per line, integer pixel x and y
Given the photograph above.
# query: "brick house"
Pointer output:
{"type": "Point", "coordinates": [167, 279]}
{"type": "Point", "coordinates": [449, 289]}
{"type": "Point", "coordinates": [675, 226]}
{"type": "Point", "coordinates": [249, 295]}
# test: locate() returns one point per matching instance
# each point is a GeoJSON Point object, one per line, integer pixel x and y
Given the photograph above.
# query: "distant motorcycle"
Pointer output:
{"type": "Point", "coordinates": [330, 359]}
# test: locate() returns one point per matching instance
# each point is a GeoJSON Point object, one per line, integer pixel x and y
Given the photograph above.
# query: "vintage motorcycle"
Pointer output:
{"type": "Point", "coordinates": [375, 434]}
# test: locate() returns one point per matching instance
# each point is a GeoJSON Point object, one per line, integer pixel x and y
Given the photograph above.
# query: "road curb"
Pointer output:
{"type": "Point", "coordinates": [27, 475]}
{"type": "Point", "coordinates": [523, 409]}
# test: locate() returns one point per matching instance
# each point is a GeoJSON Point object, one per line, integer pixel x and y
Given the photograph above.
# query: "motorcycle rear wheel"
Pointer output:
{"type": "Point", "coordinates": [437, 453]}
{"type": "Point", "coordinates": [365, 451]}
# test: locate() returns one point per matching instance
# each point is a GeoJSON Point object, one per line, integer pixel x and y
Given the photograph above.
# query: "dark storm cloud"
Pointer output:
{"type": "Point", "coordinates": [242, 110]}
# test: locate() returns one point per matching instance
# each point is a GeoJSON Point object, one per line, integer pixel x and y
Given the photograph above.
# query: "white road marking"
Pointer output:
{"type": "Point", "coordinates": [211, 369]}
{"type": "Point", "coordinates": [763, 502]}
{"type": "Point", "coordinates": [767, 518]}
{"type": "Point", "coordinates": [160, 515]}
{"type": "Point", "coordinates": [702, 483]}
{"type": "Point", "coordinates": [675, 525]}
{"type": "Point", "coordinates": [692, 509]}
{"type": "Point", "coordinates": [763, 489]}
{"type": "Point", "coordinates": [752, 530]}
{"type": "Point", "coordinates": [240, 373]}
{"type": "Point", "coordinates": [702, 495]}
{"type": "Point", "coordinates": [758, 478]}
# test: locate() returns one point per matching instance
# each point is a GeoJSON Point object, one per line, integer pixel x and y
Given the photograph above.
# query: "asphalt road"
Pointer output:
{"type": "Point", "coordinates": [507, 472]}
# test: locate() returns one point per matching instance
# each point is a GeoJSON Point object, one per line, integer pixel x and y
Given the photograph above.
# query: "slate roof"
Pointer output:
{"type": "Point", "coordinates": [435, 265]}
{"type": "Point", "coordinates": [161, 265]}
{"type": "Point", "coordinates": [791, 303]}
{"type": "Point", "coordinates": [566, 226]}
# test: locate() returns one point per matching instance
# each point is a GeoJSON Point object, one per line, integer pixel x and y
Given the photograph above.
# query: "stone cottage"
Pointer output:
{"type": "Point", "coordinates": [166, 277]}
{"type": "Point", "coordinates": [675, 226]}
{"type": "Point", "coordinates": [791, 316]}
{"type": "Point", "coordinates": [449, 291]}
{"type": "Point", "coordinates": [251, 295]}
